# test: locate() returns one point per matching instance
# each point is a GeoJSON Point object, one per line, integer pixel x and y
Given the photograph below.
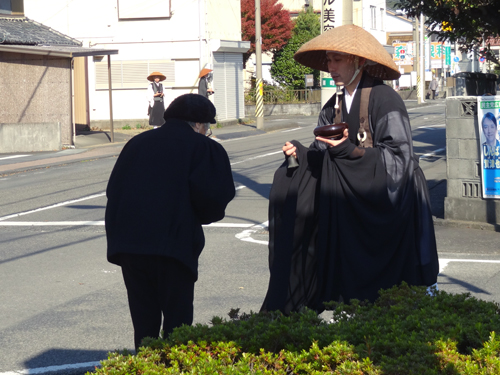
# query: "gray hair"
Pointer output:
{"type": "Point", "coordinates": [193, 124]}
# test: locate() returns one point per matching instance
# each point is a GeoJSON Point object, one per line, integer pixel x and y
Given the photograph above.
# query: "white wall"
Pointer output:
{"type": "Point", "coordinates": [184, 37]}
{"type": "Point", "coordinates": [379, 31]}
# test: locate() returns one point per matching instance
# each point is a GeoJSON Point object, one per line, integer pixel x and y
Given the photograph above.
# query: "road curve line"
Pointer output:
{"type": "Point", "coordinates": [246, 235]}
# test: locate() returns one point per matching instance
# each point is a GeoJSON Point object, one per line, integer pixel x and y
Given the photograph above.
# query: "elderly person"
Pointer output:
{"type": "Point", "coordinates": [166, 183]}
{"type": "Point", "coordinates": [354, 216]}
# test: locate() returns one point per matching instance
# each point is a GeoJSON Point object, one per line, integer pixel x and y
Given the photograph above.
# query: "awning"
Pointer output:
{"type": "Point", "coordinates": [57, 51]}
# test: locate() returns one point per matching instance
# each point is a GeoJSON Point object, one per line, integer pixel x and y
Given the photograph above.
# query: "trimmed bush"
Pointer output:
{"type": "Point", "coordinates": [406, 331]}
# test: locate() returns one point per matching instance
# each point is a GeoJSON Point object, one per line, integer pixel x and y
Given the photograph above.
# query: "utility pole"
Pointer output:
{"type": "Point", "coordinates": [259, 100]}
{"type": "Point", "coordinates": [416, 60]}
{"type": "Point", "coordinates": [421, 58]}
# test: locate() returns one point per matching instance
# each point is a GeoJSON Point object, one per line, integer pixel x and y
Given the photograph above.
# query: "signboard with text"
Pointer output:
{"type": "Point", "coordinates": [488, 114]}
{"type": "Point", "coordinates": [331, 14]}
{"type": "Point", "coordinates": [440, 55]}
{"type": "Point", "coordinates": [403, 53]}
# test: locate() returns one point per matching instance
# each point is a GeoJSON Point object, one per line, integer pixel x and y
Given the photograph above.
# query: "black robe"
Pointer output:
{"type": "Point", "coordinates": [343, 225]}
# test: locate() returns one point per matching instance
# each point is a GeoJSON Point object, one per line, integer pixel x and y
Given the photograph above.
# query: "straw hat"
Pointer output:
{"type": "Point", "coordinates": [353, 40]}
{"type": "Point", "coordinates": [204, 72]}
{"type": "Point", "coordinates": [152, 76]}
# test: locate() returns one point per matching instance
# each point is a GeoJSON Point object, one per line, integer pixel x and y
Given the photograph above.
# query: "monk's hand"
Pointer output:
{"type": "Point", "coordinates": [290, 150]}
{"type": "Point", "coordinates": [332, 142]}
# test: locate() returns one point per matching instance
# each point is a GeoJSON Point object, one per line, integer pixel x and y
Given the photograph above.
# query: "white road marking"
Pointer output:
{"type": "Point", "coordinates": [48, 223]}
{"type": "Point", "coordinates": [432, 127]}
{"type": "Point", "coordinates": [13, 157]}
{"type": "Point", "coordinates": [433, 153]}
{"type": "Point", "coordinates": [291, 130]}
{"type": "Point", "coordinates": [257, 157]}
{"type": "Point", "coordinates": [99, 222]}
{"type": "Point", "coordinates": [246, 235]}
{"type": "Point", "coordinates": [443, 263]}
{"type": "Point", "coordinates": [43, 370]}
{"type": "Point", "coordinates": [52, 206]}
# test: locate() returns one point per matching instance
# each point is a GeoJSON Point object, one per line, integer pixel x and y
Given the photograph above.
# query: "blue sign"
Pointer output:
{"type": "Point", "coordinates": [456, 59]}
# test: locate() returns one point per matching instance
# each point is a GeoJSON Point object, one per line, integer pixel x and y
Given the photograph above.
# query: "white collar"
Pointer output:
{"type": "Point", "coordinates": [349, 98]}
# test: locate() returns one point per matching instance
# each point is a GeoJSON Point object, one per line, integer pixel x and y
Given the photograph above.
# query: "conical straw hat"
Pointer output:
{"type": "Point", "coordinates": [353, 40]}
{"type": "Point", "coordinates": [152, 76]}
{"type": "Point", "coordinates": [204, 72]}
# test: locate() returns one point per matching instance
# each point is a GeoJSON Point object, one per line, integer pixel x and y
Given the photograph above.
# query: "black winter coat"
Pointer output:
{"type": "Point", "coordinates": [166, 183]}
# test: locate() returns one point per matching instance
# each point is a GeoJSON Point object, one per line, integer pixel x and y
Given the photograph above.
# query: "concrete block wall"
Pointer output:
{"type": "Point", "coordinates": [30, 137]}
{"type": "Point", "coordinates": [36, 89]}
{"type": "Point", "coordinates": [464, 200]}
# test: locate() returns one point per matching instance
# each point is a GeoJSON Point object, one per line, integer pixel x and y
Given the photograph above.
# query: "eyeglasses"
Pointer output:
{"type": "Point", "coordinates": [208, 133]}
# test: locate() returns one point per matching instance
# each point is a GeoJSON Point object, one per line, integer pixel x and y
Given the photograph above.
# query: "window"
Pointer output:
{"type": "Point", "coordinates": [382, 13]}
{"type": "Point", "coordinates": [132, 74]}
{"type": "Point", "coordinates": [133, 9]}
{"type": "Point", "coordinates": [12, 7]}
{"type": "Point", "coordinates": [373, 13]}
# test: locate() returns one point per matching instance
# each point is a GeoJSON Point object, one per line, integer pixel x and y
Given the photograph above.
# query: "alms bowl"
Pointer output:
{"type": "Point", "coordinates": [333, 131]}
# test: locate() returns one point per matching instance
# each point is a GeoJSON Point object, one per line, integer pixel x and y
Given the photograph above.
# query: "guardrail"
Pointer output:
{"type": "Point", "coordinates": [278, 96]}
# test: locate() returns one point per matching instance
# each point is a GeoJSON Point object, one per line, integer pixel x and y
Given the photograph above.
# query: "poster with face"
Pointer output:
{"type": "Point", "coordinates": [488, 112]}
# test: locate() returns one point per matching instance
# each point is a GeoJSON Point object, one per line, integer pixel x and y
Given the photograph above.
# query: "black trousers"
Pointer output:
{"type": "Point", "coordinates": [157, 286]}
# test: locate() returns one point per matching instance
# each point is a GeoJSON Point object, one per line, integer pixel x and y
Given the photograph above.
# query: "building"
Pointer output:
{"type": "Point", "coordinates": [175, 37]}
{"type": "Point", "coordinates": [36, 83]}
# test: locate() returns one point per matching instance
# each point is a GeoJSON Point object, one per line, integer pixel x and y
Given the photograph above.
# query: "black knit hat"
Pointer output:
{"type": "Point", "coordinates": [191, 107]}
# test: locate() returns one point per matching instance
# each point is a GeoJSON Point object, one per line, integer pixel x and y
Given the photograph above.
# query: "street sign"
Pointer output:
{"type": "Point", "coordinates": [309, 78]}
{"type": "Point", "coordinates": [482, 59]}
{"type": "Point", "coordinates": [456, 59]}
{"type": "Point", "coordinates": [327, 82]}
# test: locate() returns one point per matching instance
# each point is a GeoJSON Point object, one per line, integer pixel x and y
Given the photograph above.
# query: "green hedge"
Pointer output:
{"type": "Point", "coordinates": [406, 331]}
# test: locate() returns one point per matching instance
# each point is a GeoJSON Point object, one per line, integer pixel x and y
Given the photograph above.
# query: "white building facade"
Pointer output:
{"type": "Point", "coordinates": [175, 37]}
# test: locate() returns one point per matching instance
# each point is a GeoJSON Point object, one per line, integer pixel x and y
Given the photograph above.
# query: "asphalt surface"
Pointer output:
{"type": "Point", "coordinates": [460, 239]}
{"type": "Point", "coordinates": [96, 144]}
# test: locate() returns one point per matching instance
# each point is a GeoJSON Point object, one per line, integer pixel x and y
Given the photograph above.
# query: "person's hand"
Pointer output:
{"type": "Point", "coordinates": [332, 142]}
{"type": "Point", "coordinates": [290, 150]}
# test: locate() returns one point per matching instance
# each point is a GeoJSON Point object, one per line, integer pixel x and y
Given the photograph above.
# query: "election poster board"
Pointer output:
{"type": "Point", "coordinates": [488, 112]}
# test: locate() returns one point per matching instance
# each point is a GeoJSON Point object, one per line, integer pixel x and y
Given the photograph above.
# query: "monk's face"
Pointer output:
{"type": "Point", "coordinates": [341, 67]}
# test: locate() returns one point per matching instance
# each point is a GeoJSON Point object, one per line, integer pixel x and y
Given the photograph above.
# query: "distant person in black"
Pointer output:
{"type": "Point", "coordinates": [166, 183]}
{"type": "Point", "coordinates": [156, 100]}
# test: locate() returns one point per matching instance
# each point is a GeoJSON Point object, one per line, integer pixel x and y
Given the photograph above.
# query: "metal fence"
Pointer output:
{"type": "Point", "coordinates": [279, 96]}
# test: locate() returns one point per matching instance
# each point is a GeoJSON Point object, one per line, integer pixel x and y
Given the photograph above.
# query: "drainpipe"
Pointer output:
{"type": "Point", "coordinates": [72, 84]}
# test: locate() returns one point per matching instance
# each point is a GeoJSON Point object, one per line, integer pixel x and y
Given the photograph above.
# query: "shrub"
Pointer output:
{"type": "Point", "coordinates": [406, 331]}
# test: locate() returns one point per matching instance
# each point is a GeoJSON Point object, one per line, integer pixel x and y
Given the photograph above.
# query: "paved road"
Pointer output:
{"type": "Point", "coordinates": [66, 305]}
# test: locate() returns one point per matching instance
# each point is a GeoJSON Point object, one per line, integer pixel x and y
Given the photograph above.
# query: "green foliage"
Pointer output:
{"type": "Point", "coordinates": [284, 69]}
{"type": "Point", "coordinates": [406, 331]}
{"type": "Point", "coordinates": [126, 127]}
{"type": "Point", "coordinates": [468, 22]}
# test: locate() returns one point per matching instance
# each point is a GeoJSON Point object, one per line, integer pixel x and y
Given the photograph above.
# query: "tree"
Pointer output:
{"type": "Point", "coordinates": [284, 69]}
{"type": "Point", "coordinates": [467, 22]}
{"type": "Point", "coordinates": [276, 25]}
